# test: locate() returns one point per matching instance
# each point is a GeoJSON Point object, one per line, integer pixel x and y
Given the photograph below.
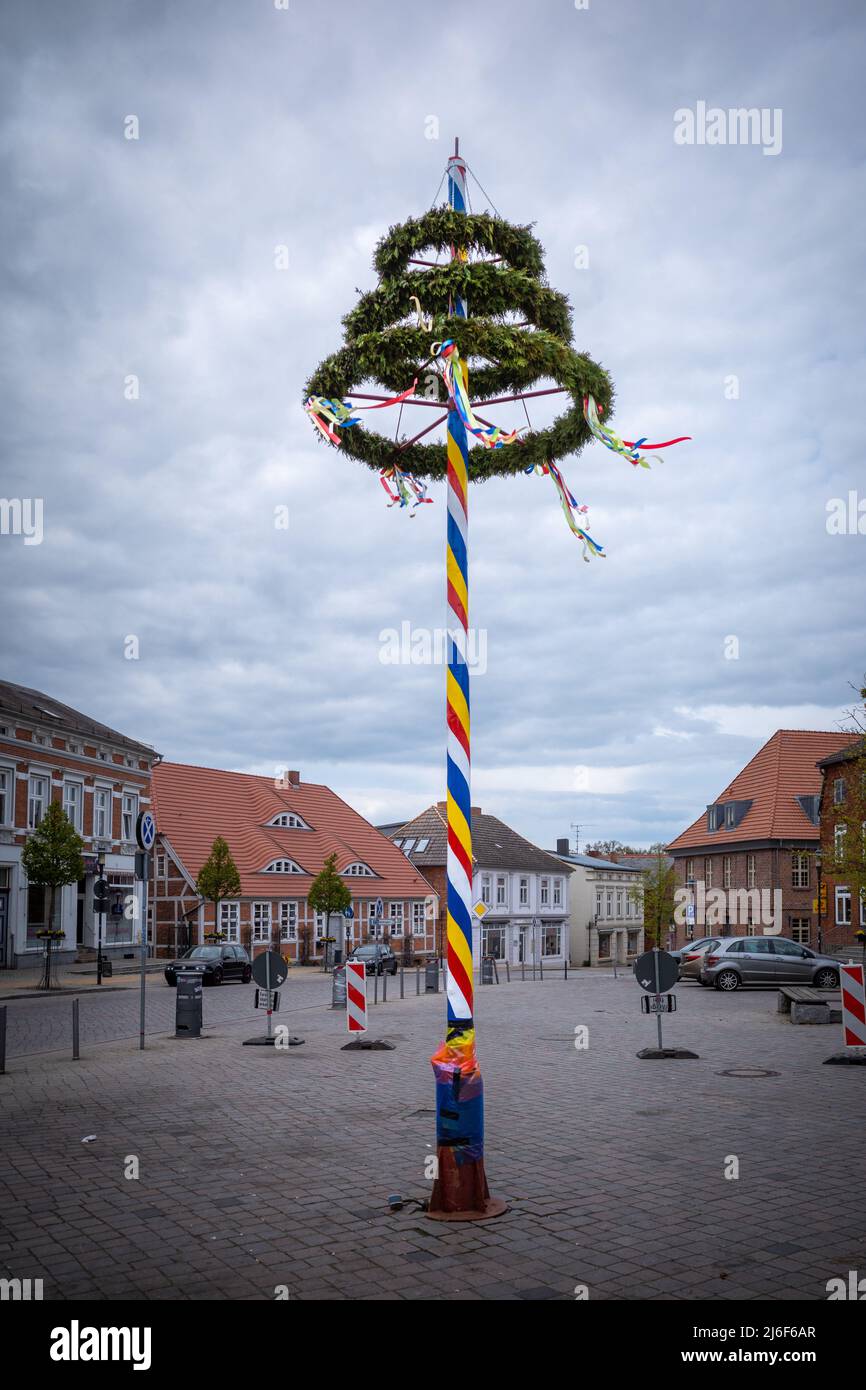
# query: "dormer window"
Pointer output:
{"type": "Point", "coordinates": [283, 866]}
{"type": "Point", "coordinates": [288, 820]}
{"type": "Point", "coordinates": [730, 815]}
{"type": "Point", "coordinates": [358, 870]}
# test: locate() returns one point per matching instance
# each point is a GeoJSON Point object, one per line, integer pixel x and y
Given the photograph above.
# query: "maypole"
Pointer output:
{"type": "Point", "coordinates": [460, 1189]}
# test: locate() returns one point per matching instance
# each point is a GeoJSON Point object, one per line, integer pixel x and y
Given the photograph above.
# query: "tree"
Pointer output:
{"type": "Point", "coordinates": [655, 895]}
{"type": "Point", "coordinates": [606, 848]}
{"type": "Point", "coordinates": [52, 854]}
{"type": "Point", "coordinates": [328, 892]}
{"type": "Point", "coordinates": [218, 877]}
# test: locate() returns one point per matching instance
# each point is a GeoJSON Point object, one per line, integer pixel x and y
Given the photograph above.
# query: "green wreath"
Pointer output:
{"type": "Point", "coordinates": [381, 346]}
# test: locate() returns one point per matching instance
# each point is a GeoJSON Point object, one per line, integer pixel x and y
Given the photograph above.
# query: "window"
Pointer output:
{"type": "Point", "coordinates": [712, 817]}
{"type": "Point", "coordinates": [395, 918]}
{"type": "Point", "coordinates": [261, 921]}
{"type": "Point", "coordinates": [360, 870]}
{"type": "Point", "coordinates": [230, 914]}
{"type": "Point", "coordinates": [551, 941]}
{"type": "Point", "coordinates": [730, 815]}
{"type": "Point", "coordinates": [501, 891]}
{"type": "Point", "coordinates": [690, 871]}
{"type": "Point", "coordinates": [726, 871]}
{"type": "Point", "coordinates": [37, 801]}
{"type": "Point", "coordinates": [493, 942]}
{"type": "Point", "coordinates": [409, 845]}
{"type": "Point", "coordinates": [72, 796]}
{"type": "Point", "coordinates": [619, 903]}
{"type": "Point", "coordinates": [283, 866]}
{"type": "Point", "coordinates": [287, 820]}
{"type": "Point", "coordinates": [162, 866]}
{"type": "Point", "coordinates": [557, 893]}
{"type": "Point", "coordinates": [628, 905]}
{"type": "Point", "coordinates": [289, 921]}
{"type": "Point", "coordinates": [321, 923]}
{"type": "Point", "coordinates": [750, 870]}
{"type": "Point", "coordinates": [130, 815]}
{"type": "Point", "coordinates": [102, 813]}
{"type": "Point", "coordinates": [799, 869]}
{"type": "Point", "coordinates": [800, 930]}
{"type": "Point", "coordinates": [419, 918]}
{"type": "Point", "coordinates": [839, 842]}
{"type": "Point", "coordinates": [609, 912]}
{"type": "Point", "coordinates": [7, 782]}
{"type": "Point", "coordinates": [598, 903]}
{"type": "Point", "coordinates": [422, 845]}
{"type": "Point", "coordinates": [838, 791]}
{"type": "Point", "coordinates": [545, 892]}
{"type": "Point", "coordinates": [843, 907]}
{"type": "Point", "coordinates": [708, 872]}
{"type": "Point", "coordinates": [398, 843]}
{"type": "Point", "coordinates": [485, 888]}
{"type": "Point", "coordinates": [524, 892]}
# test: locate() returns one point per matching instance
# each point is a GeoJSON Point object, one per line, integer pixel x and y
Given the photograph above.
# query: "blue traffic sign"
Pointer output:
{"type": "Point", "coordinates": [145, 830]}
{"type": "Point", "coordinates": [348, 912]}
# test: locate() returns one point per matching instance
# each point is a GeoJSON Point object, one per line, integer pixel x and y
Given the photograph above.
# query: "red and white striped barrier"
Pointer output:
{"type": "Point", "coordinates": [853, 1007]}
{"type": "Point", "coordinates": [356, 996]}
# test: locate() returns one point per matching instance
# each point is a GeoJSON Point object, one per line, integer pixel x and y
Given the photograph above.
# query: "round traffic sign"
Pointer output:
{"type": "Point", "coordinates": [645, 968]}
{"type": "Point", "coordinates": [348, 913]}
{"type": "Point", "coordinates": [278, 970]}
{"type": "Point", "coordinates": [145, 830]}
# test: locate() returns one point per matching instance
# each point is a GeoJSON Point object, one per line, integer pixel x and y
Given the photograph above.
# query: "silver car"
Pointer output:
{"type": "Point", "coordinates": [691, 957]}
{"type": "Point", "coordinates": [766, 960]}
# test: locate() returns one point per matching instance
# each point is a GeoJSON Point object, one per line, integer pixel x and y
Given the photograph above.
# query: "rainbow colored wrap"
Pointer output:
{"type": "Point", "coordinates": [407, 490]}
{"type": "Point", "coordinates": [454, 376]}
{"type": "Point", "coordinates": [628, 448]}
{"type": "Point", "coordinates": [571, 509]}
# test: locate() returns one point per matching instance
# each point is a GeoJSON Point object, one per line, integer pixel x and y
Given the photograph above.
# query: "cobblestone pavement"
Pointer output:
{"type": "Point", "coordinates": [261, 1169]}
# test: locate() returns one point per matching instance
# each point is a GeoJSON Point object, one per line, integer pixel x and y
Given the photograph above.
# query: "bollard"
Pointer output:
{"type": "Point", "coordinates": [523, 970]}
{"type": "Point", "coordinates": [540, 969]}
{"type": "Point", "coordinates": [375, 984]}
{"type": "Point", "coordinates": [507, 973]}
{"type": "Point", "coordinates": [565, 967]}
{"type": "Point", "coordinates": [2, 1039]}
{"type": "Point", "coordinates": [384, 985]}
{"type": "Point", "coordinates": [75, 1035]}
{"type": "Point", "coordinates": [401, 983]}
{"type": "Point", "coordinates": [417, 979]}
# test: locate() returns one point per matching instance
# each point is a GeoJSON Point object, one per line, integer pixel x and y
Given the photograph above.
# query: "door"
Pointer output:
{"type": "Point", "coordinates": [4, 923]}
{"type": "Point", "coordinates": [759, 961]}
{"type": "Point", "coordinates": [794, 963]}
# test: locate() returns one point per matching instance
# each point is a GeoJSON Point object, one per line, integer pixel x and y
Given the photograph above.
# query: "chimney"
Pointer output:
{"type": "Point", "coordinates": [475, 811]}
{"type": "Point", "coordinates": [294, 779]}
{"type": "Point", "coordinates": [562, 846]}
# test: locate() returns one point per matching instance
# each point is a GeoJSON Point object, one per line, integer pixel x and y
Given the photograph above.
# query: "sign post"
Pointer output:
{"type": "Point", "coordinates": [269, 972]}
{"type": "Point", "coordinates": [853, 1018]}
{"type": "Point", "coordinates": [145, 834]}
{"type": "Point", "coordinates": [657, 972]}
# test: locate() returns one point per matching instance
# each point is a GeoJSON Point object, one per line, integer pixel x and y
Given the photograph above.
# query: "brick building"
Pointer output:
{"type": "Point", "coordinates": [748, 862]}
{"type": "Point", "coordinates": [525, 888]}
{"type": "Point", "coordinates": [50, 752]}
{"type": "Point", "coordinates": [279, 834]}
{"type": "Point", "coordinates": [843, 847]}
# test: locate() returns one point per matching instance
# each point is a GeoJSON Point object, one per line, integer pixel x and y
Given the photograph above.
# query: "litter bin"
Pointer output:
{"type": "Point", "coordinates": [106, 967]}
{"type": "Point", "coordinates": [487, 970]}
{"type": "Point", "coordinates": [431, 977]}
{"type": "Point", "coordinates": [187, 1016]}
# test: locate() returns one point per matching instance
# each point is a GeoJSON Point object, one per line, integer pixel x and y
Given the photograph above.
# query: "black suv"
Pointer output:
{"type": "Point", "coordinates": [215, 964]}
{"type": "Point", "coordinates": [377, 958]}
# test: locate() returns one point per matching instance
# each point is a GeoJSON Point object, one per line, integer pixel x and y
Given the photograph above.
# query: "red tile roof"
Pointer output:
{"type": "Point", "coordinates": [193, 805]}
{"type": "Point", "coordinates": [782, 770]}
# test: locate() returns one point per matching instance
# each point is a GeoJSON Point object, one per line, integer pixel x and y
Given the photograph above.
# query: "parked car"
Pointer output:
{"type": "Point", "coordinates": [691, 957]}
{"type": "Point", "coordinates": [215, 964]}
{"type": "Point", "coordinates": [766, 960]}
{"type": "Point", "coordinates": [377, 958]}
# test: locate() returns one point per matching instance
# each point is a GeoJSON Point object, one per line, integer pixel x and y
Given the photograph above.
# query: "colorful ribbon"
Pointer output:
{"type": "Point", "coordinates": [341, 414]}
{"type": "Point", "coordinates": [629, 448]}
{"type": "Point", "coordinates": [448, 357]}
{"type": "Point", "coordinates": [408, 490]}
{"type": "Point", "coordinates": [570, 507]}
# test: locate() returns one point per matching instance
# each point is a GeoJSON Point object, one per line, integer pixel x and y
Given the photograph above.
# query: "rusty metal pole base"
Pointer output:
{"type": "Point", "coordinates": [460, 1193]}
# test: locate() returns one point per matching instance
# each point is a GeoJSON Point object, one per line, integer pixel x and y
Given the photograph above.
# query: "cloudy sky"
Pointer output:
{"type": "Point", "coordinates": [723, 292]}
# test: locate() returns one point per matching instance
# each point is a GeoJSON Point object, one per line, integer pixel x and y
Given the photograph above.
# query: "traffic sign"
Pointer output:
{"type": "Point", "coordinates": [145, 830]}
{"type": "Point", "coordinates": [271, 1001]}
{"type": "Point", "coordinates": [356, 996]}
{"type": "Point", "coordinates": [480, 909]}
{"type": "Point", "coordinates": [379, 909]}
{"type": "Point", "coordinates": [269, 970]}
{"type": "Point", "coordinates": [348, 913]}
{"type": "Point", "coordinates": [658, 1004]}
{"type": "Point", "coordinates": [656, 971]}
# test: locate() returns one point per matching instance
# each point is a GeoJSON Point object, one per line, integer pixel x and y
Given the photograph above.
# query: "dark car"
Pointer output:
{"type": "Point", "coordinates": [377, 958]}
{"type": "Point", "coordinates": [215, 964]}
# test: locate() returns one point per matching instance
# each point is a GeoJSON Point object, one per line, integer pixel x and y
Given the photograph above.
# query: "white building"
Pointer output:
{"type": "Point", "coordinates": [606, 923]}
{"type": "Point", "coordinates": [525, 889]}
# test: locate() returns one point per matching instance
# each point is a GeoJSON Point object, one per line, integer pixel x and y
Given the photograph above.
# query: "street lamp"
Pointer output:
{"type": "Point", "coordinates": [819, 865]}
